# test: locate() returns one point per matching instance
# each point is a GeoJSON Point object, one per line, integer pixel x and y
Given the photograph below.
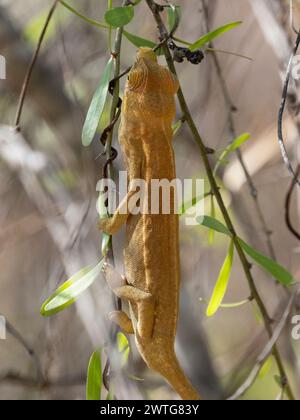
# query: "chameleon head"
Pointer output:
{"type": "Point", "coordinates": [146, 53]}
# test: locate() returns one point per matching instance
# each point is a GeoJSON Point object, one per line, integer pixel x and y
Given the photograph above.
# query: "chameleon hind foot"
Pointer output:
{"type": "Point", "coordinates": [145, 305]}
{"type": "Point", "coordinates": [122, 320]}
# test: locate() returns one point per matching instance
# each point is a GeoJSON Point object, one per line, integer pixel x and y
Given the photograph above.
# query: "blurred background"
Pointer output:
{"type": "Point", "coordinates": [48, 218]}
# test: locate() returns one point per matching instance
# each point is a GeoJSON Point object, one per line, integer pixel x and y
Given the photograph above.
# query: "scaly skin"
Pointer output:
{"type": "Point", "coordinates": [152, 248]}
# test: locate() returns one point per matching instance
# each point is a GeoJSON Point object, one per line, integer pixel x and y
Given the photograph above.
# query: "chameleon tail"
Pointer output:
{"type": "Point", "coordinates": [173, 373]}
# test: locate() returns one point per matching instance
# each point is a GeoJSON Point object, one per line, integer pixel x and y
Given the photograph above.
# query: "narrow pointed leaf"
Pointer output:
{"type": "Point", "coordinates": [94, 378]}
{"type": "Point", "coordinates": [266, 367]}
{"type": "Point", "coordinates": [122, 342]}
{"type": "Point", "coordinates": [238, 142]}
{"type": "Point", "coordinates": [214, 224]}
{"type": "Point", "coordinates": [172, 12]}
{"type": "Point", "coordinates": [119, 16]}
{"type": "Point", "coordinates": [222, 283]}
{"type": "Point", "coordinates": [272, 267]}
{"type": "Point", "coordinates": [138, 41]}
{"type": "Point", "coordinates": [97, 106]}
{"type": "Point", "coordinates": [67, 293]}
{"type": "Point", "coordinates": [205, 39]}
{"type": "Point", "coordinates": [230, 305]}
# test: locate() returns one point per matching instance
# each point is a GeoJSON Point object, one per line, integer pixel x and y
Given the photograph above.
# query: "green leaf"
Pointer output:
{"type": "Point", "coordinates": [97, 106]}
{"type": "Point", "coordinates": [184, 207]}
{"type": "Point", "coordinates": [266, 367]}
{"type": "Point", "coordinates": [68, 292]}
{"type": "Point", "coordinates": [119, 16]}
{"type": "Point", "coordinates": [229, 305]}
{"type": "Point", "coordinates": [205, 39]}
{"type": "Point", "coordinates": [106, 240]}
{"type": "Point", "coordinates": [138, 41]}
{"type": "Point", "coordinates": [172, 11]}
{"type": "Point", "coordinates": [122, 342]}
{"type": "Point", "coordinates": [214, 224]}
{"type": "Point", "coordinates": [94, 378]}
{"type": "Point", "coordinates": [123, 348]}
{"type": "Point", "coordinates": [177, 126]}
{"type": "Point", "coordinates": [238, 142]}
{"type": "Point", "coordinates": [222, 283]}
{"type": "Point", "coordinates": [272, 267]}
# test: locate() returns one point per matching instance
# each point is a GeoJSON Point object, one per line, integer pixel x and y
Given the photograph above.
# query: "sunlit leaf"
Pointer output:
{"type": "Point", "coordinates": [122, 342]}
{"type": "Point", "coordinates": [214, 224]}
{"type": "Point", "coordinates": [97, 106]}
{"type": "Point", "coordinates": [94, 378]}
{"type": "Point", "coordinates": [272, 267]}
{"type": "Point", "coordinates": [238, 142]}
{"type": "Point", "coordinates": [229, 305]}
{"type": "Point", "coordinates": [119, 16]}
{"type": "Point", "coordinates": [67, 293]}
{"type": "Point", "coordinates": [265, 369]}
{"type": "Point", "coordinates": [205, 39]}
{"type": "Point", "coordinates": [123, 347]}
{"type": "Point", "coordinates": [222, 283]}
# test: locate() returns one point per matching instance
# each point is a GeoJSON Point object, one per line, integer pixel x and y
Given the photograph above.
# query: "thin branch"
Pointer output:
{"type": "Point", "coordinates": [215, 189]}
{"type": "Point", "coordinates": [110, 152]}
{"type": "Point", "coordinates": [288, 206]}
{"type": "Point", "coordinates": [32, 64]}
{"type": "Point", "coordinates": [267, 351]}
{"type": "Point", "coordinates": [232, 130]}
{"type": "Point", "coordinates": [283, 150]}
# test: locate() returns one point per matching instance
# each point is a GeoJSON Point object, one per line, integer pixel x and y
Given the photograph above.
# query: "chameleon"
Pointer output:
{"type": "Point", "coordinates": [151, 256]}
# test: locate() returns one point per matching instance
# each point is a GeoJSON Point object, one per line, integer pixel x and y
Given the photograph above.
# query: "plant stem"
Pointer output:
{"type": "Point", "coordinates": [85, 18]}
{"type": "Point", "coordinates": [232, 131]}
{"type": "Point", "coordinates": [215, 190]}
{"type": "Point", "coordinates": [31, 66]}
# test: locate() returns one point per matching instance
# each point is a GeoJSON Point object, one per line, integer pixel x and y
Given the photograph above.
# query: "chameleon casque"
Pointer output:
{"type": "Point", "coordinates": [152, 268]}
